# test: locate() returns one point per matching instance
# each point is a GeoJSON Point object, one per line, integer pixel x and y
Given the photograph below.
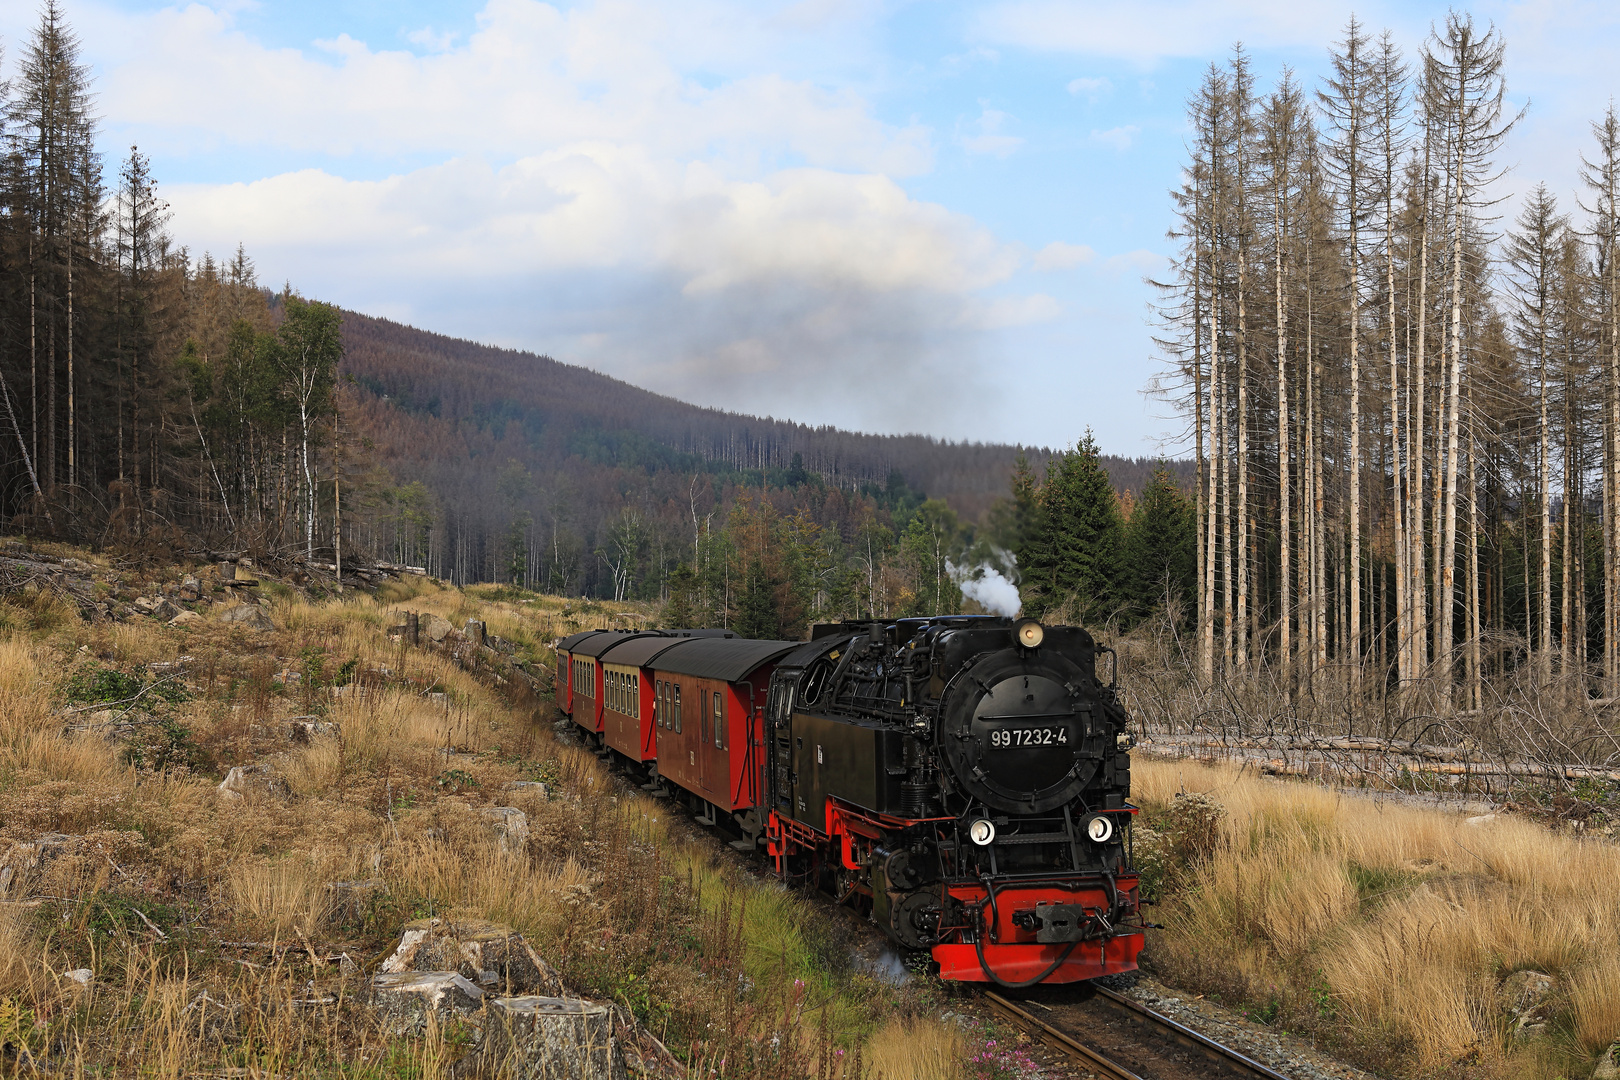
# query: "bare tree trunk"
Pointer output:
{"type": "Point", "coordinates": [1417, 450]}
{"type": "Point", "coordinates": [1474, 624]}
{"type": "Point", "coordinates": [1206, 657]}
{"type": "Point", "coordinates": [1244, 557]}
{"type": "Point", "coordinates": [1543, 467]}
{"type": "Point", "coordinates": [1284, 586]}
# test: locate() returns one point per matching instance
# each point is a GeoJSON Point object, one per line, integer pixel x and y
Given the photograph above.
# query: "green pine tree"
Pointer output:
{"type": "Point", "coordinates": [679, 610]}
{"type": "Point", "coordinates": [1161, 545]}
{"type": "Point", "coordinates": [1074, 556]}
{"type": "Point", "coordinates": [758, 615]}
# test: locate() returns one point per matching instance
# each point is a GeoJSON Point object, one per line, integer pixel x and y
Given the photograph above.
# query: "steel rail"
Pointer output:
{"type": "Point", "coordinates": [1160, 1024]}
{"type": "Point", "coordinates": [1186, 1036]}
{"type": "Point", "coordinates": [1058, 1040]}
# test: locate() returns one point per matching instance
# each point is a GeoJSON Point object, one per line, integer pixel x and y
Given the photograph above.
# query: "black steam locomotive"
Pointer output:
{"type": "Point", "coordinates": [963, 777]}
{"type": "Point", "coordinates": [968, 777]}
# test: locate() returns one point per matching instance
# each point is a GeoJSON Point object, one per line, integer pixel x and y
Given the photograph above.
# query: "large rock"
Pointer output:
{"type": "Point", "coordinates": [241, 779]}
{"type": "Point", "coordinates": [186, 618]}
{"type": "Point", "coordinates": [1525, 996]}
{"type": "Point", "coordinates": [406, 1000]}
{"type": "Point", "coordinates": [494, 957]}
{"type": "Point", "coordinates": [249, 615]}
{"type": "Point", "coordinates": [511, 827]}
{"type": "Point", "coordinates": [544, 1038]}
{"type": "Point", "coordinates": [438, 629]}
{"type": "Point", "coordinates": [1608, 1066]}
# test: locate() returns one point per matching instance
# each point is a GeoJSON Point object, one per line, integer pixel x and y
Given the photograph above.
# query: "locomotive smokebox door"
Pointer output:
{"type": "Point", "coordinates": [1019, 735]}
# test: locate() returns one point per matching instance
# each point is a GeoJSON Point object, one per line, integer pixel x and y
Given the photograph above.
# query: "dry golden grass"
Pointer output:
{"type": "Point", "coordinates": [917, 1048]}
{"type": "Point", "coordinates": [394, 793]}
{"type": "Point", "coordinates": [1396, 921]}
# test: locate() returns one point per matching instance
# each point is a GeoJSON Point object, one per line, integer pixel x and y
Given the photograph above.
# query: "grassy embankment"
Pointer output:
{"type": "Point", "coordinates": [208, 925]}
{"type": "Point", "coordinates": [1386, 930]}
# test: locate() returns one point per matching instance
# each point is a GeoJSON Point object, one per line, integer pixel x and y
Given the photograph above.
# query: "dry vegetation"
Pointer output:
{"type": "Point", "coordinates": [206, 922]}
{"type": "Point", "coordinates": [1385, 929]}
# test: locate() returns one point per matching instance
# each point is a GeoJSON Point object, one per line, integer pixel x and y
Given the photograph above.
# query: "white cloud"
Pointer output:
{"type": "Point", "coordinates": [431, 39]}
{"type": "Point", "coordinates": [530, 77]}
{"type": "Point", "coordinates": [1147, 32]}
{"type": "Point", "coordinates": [1061, 256]}
{"type": "Point", "coordinates": [774, 294]}
{"type": "Point", "coordinates": [984, 135]}
{"type": "Point", "coordinates": [1118, 138]}
{"type": "Point", "coordinates": [561, 181]}
{"type": "Point", "coordinates": [1092, 89]}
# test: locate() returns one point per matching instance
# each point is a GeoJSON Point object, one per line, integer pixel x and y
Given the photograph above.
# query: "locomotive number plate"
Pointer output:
{"type": "Point", "coordinates": [1010, 738]}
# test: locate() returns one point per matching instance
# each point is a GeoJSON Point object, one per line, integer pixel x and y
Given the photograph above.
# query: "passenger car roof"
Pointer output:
{"type": "Point", "coordinates": [727, 659]}
{"type": "Point", "coordinates": [600, 644]}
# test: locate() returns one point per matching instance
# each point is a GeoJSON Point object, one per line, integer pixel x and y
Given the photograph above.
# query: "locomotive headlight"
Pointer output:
{"type": "Point", "coordinates": [1100, 828]}
{"type": "Point", "coordinates": [1029, 633]}
{"type": "Point", "coordinates": [982, 831]}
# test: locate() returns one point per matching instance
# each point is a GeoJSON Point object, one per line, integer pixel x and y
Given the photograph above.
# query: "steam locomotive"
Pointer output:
{"type": "Point", "coordinates": [963, 778]}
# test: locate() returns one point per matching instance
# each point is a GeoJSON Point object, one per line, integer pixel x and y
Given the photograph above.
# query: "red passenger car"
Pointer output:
{"type": "Point", "coordinates": [708, 709]}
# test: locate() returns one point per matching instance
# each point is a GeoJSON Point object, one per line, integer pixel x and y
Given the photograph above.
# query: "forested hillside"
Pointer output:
{"type": "Point", "coordinates": [504, 455]}
{"type": "Point", "coordinates": [157, 396]}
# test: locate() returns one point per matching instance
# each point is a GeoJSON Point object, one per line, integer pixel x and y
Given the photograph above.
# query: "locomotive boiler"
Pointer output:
{"type": "Point", "coordinates": [965, 779]}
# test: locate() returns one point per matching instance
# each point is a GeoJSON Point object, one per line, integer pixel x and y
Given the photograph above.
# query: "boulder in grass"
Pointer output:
{"type": "Point", "coordinates": [437, 628]}
{"type": "Point", "coordinates": [1608, 1066]}
{"type": "Point", "coordinates": [186, 618]}
{"type": "Point", "coordinates": [1526, 998]}
{"type": "Point", "coordinates": [405, 1001]}
{"type": "Point", "coordinates": [251, 616]}
{"type": "Point", "coordinates": [496, 958]}
{"type": "Point", "coordinates": [511, 827]}
{"type": "Point", "coordinates": [540, 1038]}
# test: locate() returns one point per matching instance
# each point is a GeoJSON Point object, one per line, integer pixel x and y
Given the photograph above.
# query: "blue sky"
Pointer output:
{"type": "Point", "coordinates": [928, 216]}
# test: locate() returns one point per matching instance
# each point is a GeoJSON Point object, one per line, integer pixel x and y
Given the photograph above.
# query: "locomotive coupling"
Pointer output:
{"type": "Point", "coordinates": [1059, 924]}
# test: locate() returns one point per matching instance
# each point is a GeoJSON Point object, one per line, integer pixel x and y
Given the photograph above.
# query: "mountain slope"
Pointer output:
{"type": "Point", "coordinates": [496, 434]}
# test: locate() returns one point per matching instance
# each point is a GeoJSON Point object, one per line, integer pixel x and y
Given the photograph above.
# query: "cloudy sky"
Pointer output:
{"type": "Point", "coordinates": [927, 216]}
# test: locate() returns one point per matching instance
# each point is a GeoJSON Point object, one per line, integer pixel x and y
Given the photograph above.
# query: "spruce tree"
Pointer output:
{"type": "Point", "coordinates": [678, 609]}
{"type": "Point", "coordinates": [1160, 545]}
{"type": "Point", "coordinates": [757, 614]}
{"type": "Point", "coordinates": [1076, 553]}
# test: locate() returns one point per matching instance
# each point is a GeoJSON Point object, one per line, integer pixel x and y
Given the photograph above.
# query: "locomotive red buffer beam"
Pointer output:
{"type": "Point", "coordinates": [1041, 933]}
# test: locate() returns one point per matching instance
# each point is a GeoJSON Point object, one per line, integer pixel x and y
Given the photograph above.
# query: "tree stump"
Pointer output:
{"type": "Point", "coordinates": [544, 1038]}
{"type": "Point", "coordinates": [406, 1000]}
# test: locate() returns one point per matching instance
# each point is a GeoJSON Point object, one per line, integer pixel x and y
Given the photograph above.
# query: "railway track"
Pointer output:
{"type": "Point", "coordinates": [1117, 1038]}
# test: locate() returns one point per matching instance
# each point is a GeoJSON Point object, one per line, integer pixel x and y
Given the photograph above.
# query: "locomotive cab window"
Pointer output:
{"type": "Point", "coordinates": [719, 721]}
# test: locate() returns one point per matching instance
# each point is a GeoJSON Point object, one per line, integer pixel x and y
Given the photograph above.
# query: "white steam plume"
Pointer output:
{"type": "Point", "coordinates": [988, 586]}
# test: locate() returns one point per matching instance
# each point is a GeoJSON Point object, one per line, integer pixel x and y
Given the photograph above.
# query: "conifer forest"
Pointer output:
{"type": "Point", "coordinates": [1404, 403]}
